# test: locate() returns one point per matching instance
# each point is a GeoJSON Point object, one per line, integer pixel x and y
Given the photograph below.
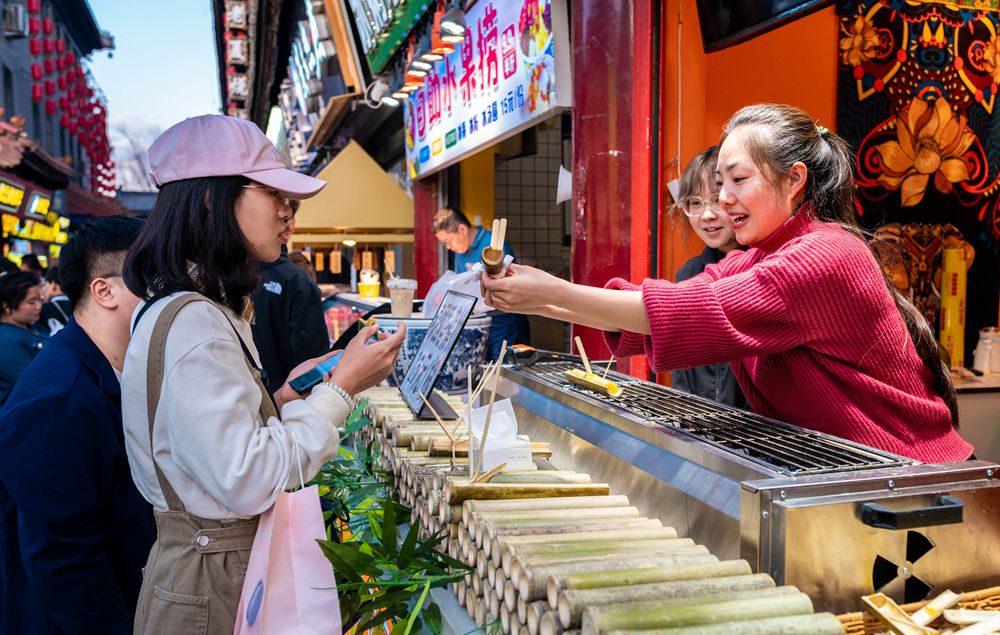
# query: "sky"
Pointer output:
{"type": "Point", "coordinates": [163, 69]}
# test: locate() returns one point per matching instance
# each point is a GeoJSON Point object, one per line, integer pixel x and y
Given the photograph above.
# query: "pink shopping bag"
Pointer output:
{"type": "Point", "coordinates": [290, 588]}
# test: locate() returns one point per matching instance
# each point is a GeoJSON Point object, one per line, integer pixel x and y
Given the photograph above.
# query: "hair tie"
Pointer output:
{"type": "Point", "coordinates": [823, 131]}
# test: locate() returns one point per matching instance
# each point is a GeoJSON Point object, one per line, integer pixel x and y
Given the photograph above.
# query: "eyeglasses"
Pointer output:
{"type": "Point", "coordinates": [695, 206]}
{"type": "Point", "coordinates": [281, 197]}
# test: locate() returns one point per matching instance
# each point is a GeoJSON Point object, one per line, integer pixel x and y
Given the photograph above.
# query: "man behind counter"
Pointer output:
{"type": "Point", "coordinates": [455, 232]}
{"type": "Point", "coordinates": [74, 531]}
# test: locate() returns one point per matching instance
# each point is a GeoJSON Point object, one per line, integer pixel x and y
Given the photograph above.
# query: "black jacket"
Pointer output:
{"type": "Point", "coordinates": [74, 531]}
{"type": "Point", "coordinates": [715, 381]}
{"type": "Point", "coordinates": [55, 314]}
{"type": "Point", "coordinates": [290, 327]}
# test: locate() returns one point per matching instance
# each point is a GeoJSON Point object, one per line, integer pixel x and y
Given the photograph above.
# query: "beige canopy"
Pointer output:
{"type": "Point", "coordinates": [360, 202]}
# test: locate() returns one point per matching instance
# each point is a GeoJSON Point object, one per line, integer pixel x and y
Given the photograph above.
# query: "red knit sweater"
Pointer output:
{"type": "Point", "coordinates": [813, 336]}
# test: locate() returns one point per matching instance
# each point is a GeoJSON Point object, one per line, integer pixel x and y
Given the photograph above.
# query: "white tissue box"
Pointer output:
{"type": "Point", "coordinates": [516, 453]}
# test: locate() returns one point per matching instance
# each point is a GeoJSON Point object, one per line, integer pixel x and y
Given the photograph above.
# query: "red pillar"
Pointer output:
{"type": "Point", "coordinates": [425, 245]}
{"type": "Point", "coordinates": [612, 115]}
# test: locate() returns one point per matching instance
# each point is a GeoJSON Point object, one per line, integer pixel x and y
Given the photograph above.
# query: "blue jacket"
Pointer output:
{"type": "Point", "coordinates": [75, 532]}
{"type": "Point", "coordinates": [464, 262]}
{"type": "Point", "coordinates": [18, 346]}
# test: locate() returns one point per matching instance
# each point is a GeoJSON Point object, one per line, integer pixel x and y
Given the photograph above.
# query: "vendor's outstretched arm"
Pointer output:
{"type": "Point", "coordinates": [530, 290]}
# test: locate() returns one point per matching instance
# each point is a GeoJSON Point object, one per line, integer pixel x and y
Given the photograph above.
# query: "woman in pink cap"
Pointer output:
{"type": "Point", "coordinates": [209, 447]}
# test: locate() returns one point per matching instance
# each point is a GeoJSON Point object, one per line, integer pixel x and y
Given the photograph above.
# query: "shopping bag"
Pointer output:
{"type": "Point", "coordinates": [290, 588]}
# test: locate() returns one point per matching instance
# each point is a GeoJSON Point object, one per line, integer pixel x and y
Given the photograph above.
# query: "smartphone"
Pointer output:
{"type": "Point", "coordinates": [305, 382]}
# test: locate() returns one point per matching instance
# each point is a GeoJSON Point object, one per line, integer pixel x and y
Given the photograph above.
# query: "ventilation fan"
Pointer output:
{"type": "Point", "coordinates": [897, 580]}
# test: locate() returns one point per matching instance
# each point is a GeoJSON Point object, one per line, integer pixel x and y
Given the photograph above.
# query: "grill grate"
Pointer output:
{"type": "Point", "coordinates": [779, 446]}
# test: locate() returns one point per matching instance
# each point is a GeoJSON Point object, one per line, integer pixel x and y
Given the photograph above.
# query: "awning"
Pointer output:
{"type": "Point", "coordinates": [360, 202]}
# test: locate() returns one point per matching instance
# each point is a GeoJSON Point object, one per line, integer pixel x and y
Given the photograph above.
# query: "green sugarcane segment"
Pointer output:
{"type": "Point", "coordinates": [571, 603]}
{"type": "Point", "coordinates": [598, 620]}
{"type": "Point", "coordinates": [816, 624]}
{"type": "Point", "coordinates": [532, 584]}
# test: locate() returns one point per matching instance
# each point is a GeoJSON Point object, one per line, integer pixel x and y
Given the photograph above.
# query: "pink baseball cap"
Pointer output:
{"type": "Point", "coordinates": [216, 145]}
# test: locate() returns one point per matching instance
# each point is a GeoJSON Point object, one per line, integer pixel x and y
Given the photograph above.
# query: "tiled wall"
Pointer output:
{"type": "Point", "coordinates": [526, 197]}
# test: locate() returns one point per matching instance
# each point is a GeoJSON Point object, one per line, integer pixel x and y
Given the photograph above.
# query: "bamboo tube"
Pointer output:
{"type": "Point", "coordinates": [402, 436]}
{"type": "Point", "coordinates": [570, 603]}
{"type": "Point", "coordinates": [547, 527]}
{"type": "Point", "coordinates": [494, 604]}
{"type": "Point", "coordinates": [470, 600]}
{"type": "Point", "coordinates": [561, 502]}
{"type": "Point", "coordinates": [501, 580]}
{"type": "Point", "coordinates": [460, 592]}
{"type": "Point", "coordinates": [646, 575]}
{"type": "Point", "coordinates": [570, 550]}
{"type": "Point", "coordinates": [523, 630]}
{"type": "Point", "coordinates": [449, 513]}
{"type": "Point", "coordinates": [533, 582]}
{"type": "Point", "coordinates": [438, 447]}
{"type": "Point", "coordinates": [424, 441]}
{"type": "Point", "coordinates": [550, 624]}
{"type": "Point", "coordinates": [477, 584]}
{"type": "Point", "coordinates": [505, 620]}
{"type": "Point", "coordinates": [458, 493]}
{"type": "Point", "coordinates": [516, 516]}
{"type": "Point", "coordinates": [535, 612]}
{"type": "Point", "coordinates": [600, 552]}
{"type": "Point", "coordinates": [480, 563]}
{"type": "Point", "coordinates": [650, 615]}
{"type": "Point", "coordinates": [817, 624]}
{"type": "Point", "coordinates": [522, 610]}
{"type": "Point", "coordinates": [479, 612]}
{"type": "Point", "coordinates": [505, 547]}
{"type": "Point", "coordinates": [487, 531]}
{"type": "Point", "coordinates": [510, 595]}
{"type": "Point", "coordinates": [491, 571]}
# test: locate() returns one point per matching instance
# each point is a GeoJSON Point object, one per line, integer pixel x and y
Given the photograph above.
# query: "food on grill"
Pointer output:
{"type": "Point", "coordinates": [594, 382]}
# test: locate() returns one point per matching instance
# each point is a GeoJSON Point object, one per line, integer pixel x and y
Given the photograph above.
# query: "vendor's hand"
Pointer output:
{"type": "Point", "coordinates": [363, 366]}
{"type": "Point", "coordinates": [522, 290]}
{"type": "Point", "coordinates": [286, 393]}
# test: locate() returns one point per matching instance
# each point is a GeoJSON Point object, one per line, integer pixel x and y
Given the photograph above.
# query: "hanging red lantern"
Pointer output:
{"type": "Point", "coordinates": [35, 46]}
{"type": "Point", "coordinates": [34, 26]}
{"type": "Point", "coordinates": [90, 91]}
{"type": "Point", "coordinates": [48, 26]}
{"type": "Point", "coordinates": [64, 103]}
{"type": "Point", "coordinates": [37, 92]}
{"type": "Point", "coordinates": [71, 76]}
{"type": "Point", "coordinates": [60, 64]}
{"type": "Point", "coordinates": [49, 47]}
{"type": "Point", "coordinates": [70, 58]}
{"type": "Point", "coordinates": [62, 83]}
{"type": "Point", "coordinates": [72, 128]}
{"type": "Point", "coordinates": [50, 67]}
{"type": "Point", "coordinates": [36, 71]}
{"type": "Point", "coordinates": [50, 87]}
{"type": "Point", "coordinates": [64, 121]}
{"type": "Point", "coordinates": [50, 106]}
{"type": "Point", "coordinates": [34, 6]}
{"type": "Point", "coordinates": [60, 46]}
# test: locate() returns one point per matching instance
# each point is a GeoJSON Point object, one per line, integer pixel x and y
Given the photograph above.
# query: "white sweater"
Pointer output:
{"type": "Point", "coordinates": [210, 441]}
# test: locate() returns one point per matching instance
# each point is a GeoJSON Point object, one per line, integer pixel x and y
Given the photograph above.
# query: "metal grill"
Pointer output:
{"type": "Point", "coordinates": [777, 445]}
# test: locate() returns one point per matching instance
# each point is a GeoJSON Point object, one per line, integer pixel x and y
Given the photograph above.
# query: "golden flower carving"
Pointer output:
{"type": "Point", "coordinates": [991, 58]}
{"type": "Point", "coordinates": [860, 42]}
{"type": "Point", "coordinates": [930, 141]}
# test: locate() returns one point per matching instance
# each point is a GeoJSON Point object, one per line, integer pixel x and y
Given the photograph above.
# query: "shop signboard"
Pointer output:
{"type": "Point", "coordinates": [11, 194]}
{"type": "Point", "coordinates": [511, 72]}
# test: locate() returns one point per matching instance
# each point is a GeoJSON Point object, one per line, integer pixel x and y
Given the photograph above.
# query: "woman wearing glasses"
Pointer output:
{"type": "Point", "coordinates": [698, 198]}
{"type": "Point", "coordinates": [814, 331]}
{"type": "Point", "coordinates": [208, 445]}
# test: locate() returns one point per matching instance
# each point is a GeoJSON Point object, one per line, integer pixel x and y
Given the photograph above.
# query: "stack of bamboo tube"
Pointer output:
{"type": "Point", "coordinates": [553, 553]}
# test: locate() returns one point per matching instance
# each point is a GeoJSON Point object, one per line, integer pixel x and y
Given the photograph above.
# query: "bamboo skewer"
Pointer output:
{"type": "Point", "coordinates": [437, 417]}
{"type": "Point", "coordinates": [583, 354]}
{"type": "Point", "coordinates": [460, 492]}
{"type": "Point", "coordinates": [489, 410]}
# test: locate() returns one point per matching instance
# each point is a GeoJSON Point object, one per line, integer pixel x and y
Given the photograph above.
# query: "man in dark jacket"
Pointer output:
{"type": "Point", "coordinates": [290, 327]}
{"type": "Point", "coordinates": [74, 530]}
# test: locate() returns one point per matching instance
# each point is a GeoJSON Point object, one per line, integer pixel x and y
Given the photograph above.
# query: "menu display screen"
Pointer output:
{"type": "Point", "coordinates": [441, 336]}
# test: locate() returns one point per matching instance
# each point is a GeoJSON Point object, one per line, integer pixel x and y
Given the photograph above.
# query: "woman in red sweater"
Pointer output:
{"type": "Point", "coordinates": [815, 333]}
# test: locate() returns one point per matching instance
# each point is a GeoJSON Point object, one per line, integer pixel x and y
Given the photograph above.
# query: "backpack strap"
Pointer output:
{"type": "Point", "coordinates": [154, 380]}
